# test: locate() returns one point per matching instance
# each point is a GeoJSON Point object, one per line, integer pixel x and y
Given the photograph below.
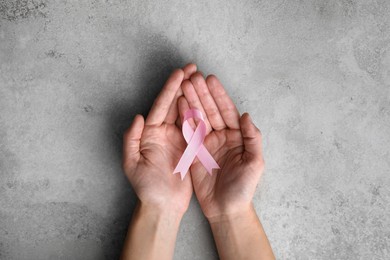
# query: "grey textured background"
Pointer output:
{"type": "Point", "coordinates": [314, 74]}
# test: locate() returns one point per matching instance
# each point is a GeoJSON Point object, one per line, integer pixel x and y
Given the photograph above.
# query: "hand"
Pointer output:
{"type": "Point", "coordinates": [233, 141]}
{"type": "Point", "coordinates": [153, 147]}
{"type": "Point", "coordinates": [151, 150]}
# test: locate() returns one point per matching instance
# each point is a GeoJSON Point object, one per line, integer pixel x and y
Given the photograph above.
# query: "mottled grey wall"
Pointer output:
{"type": "Point", "coordinates": [314, 74]}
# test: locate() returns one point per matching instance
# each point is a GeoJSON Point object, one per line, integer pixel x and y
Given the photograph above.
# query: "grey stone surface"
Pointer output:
{"type": "Point", "coordinates": [314, 74]}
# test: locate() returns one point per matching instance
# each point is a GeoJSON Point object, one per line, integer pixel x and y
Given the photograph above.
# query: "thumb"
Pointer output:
{"type": "Point", "coordinates": [132, 140]}
{"type": "Point", "coordinates": [251, 135]}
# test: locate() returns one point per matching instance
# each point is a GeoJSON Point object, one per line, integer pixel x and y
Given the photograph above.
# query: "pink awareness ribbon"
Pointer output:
{"type": "Point", "coordinates": [195, 147]}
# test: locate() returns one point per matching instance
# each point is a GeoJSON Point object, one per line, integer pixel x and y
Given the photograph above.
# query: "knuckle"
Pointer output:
{"type": "Point", "coordinates": [226, 110]}
{"type": "Point", "coordinates": [212, 112]}
{"type": "Point", "coordinates": [186, 84]}
{"type": "Point", "coordinates": [160, 103]}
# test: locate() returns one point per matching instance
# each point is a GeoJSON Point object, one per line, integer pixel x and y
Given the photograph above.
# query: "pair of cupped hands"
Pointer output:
{"type": "Point", "coordinates": [153, 146]}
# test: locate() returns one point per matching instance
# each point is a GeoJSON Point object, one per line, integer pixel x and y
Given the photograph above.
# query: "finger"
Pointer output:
{"type": "Point", "coordinates": [189, 69]}
{"type": "Point", "coordinates": [251, 136]}
{"type": "Point", "coordinates": [183, 107]}
{"type": "Point", "coordinates": [132, 140]}
{"type": "Point", "coordinates": [173, 112]}
{"type": "Point", "coordinates": [194, 102]}
{"type": "Point", "coordinates": [208, 103]}
{"type": "Point", "coordinates": [178, 122]}
{"type": "Point", "coordinates": [164, 100]}
{"type": "Point", "coordinates": [172, 115]}
{"type": "Point", "coordinates": [225, 105]}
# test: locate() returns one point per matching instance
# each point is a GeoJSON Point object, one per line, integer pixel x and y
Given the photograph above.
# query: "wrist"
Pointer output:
{"type": "Point", "coordinates": [163, 205]}
{"type": "Point", "coordinates": [240, 235]}
{"type": "Point", "coordinates": [232, 215]}
{"type": "Point", "coordinates": [152, 233]}
{"type": "Point", "coordinates": [158, 214]}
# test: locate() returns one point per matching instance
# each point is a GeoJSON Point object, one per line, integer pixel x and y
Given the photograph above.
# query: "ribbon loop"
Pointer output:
{"type": "Point", "coordinates": [195, 147]}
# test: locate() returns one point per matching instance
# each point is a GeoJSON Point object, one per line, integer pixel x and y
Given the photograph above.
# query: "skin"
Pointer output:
{"type": "Point", "coordinates": [150, 157]}
{"type": "Point", "coordinates": [226, 196]}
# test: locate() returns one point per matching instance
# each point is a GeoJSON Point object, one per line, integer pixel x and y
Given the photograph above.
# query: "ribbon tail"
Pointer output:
{"type": "Point", "coordinates": [207, 160]}
{"type": "Point", "coordinates": [183, 166]}
{"type": "Point", "coordinates": [189, 153]}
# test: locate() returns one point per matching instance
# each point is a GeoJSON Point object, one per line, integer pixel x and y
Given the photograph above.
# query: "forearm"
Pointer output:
{"type": "Point", "coordinates": [241, 236]}
{"type": "Point", "coordinates": [152, 234]}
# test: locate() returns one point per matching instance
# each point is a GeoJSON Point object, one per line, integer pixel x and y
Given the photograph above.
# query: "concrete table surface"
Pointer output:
{"type": "Point", "coordinates": [315, 75]}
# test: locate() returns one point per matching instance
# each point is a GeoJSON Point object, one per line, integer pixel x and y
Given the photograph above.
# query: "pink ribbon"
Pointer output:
{"type": "Point", "coordinates": [195, 147]}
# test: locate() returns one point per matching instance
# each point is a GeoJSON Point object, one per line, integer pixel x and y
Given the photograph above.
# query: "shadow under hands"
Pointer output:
{"type": "Point", "coordinates": [155, 65]}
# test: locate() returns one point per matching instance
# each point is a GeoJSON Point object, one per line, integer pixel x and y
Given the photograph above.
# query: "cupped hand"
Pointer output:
{"type": "Point", "coordinates": [233, 141]}
{"type": "Point", "coordinates": [152, 148]}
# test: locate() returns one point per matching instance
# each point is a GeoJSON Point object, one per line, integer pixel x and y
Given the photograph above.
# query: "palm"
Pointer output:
{"type": "Point", "coordinates": [153, 146]}
{"type": "Point", "coordinates": [153, 177]}
{"type": "Point", "coordinates": [234, 184]}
